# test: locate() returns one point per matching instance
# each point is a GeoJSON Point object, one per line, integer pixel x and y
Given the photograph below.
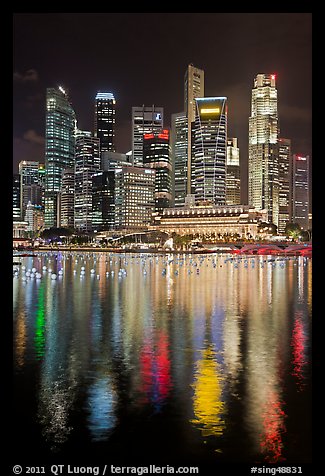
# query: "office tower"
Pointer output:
{"type": "Point", "coordinates": [87, 163]}
{"type": "Point", "coordinates": [41, 181]}
{"type": "Point", "coordinates": [284, 183]}
{"type": "Point", "coordinates": [34, 216]}
{"type": "Point", "coordinates": [103, 200]}
{"type": "Point", "coordinates": [193, 88]}
{"type": "Point", "coordinates": [134, 197]}
{"type": "Point", "coordinates": [210, 150]}
{"type": "Point", "coordinates": [16, 198]}
{"type": "Point", "coordinates": [263, 171]}
{"type": "Point", "coordinates": [300, 190]}
{"type": "Point", "coordinates": [59, 148]}
{"type": "Point", "coordinates": [112, 160]}
{"type": "Point", "coordinates": [156, 155]}
{"type": "Point", "coordinates": [67, 199]}
{"type": "Point", "coordinates": [233, 173]}
{"type": "Point", "coordinates": [31, 190]}
{"type": "Point", "coordinates": [178, 139]}
{"type": "Point", "coordinates": [105, 110]}
{"type": "Point", "coordinates": [145, 120]}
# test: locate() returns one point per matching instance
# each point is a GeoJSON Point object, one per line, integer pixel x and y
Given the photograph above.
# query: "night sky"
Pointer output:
{"type": "Point", "coordinates": [142, 59]}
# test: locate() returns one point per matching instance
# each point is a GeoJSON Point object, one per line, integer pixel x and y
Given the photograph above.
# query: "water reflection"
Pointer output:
{"type": "Point", "coordinates": [298, 344]}
{"type": "Point", "coordinates": [209, 344]}
{"type": "Point", "coordinates": [101, 403]}
{"type": "Point", "coordinates": [207, 400]}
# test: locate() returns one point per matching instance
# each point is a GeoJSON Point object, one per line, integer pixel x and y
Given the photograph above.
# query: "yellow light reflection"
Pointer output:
{"type": "Point", "coordinates": [207, 404]}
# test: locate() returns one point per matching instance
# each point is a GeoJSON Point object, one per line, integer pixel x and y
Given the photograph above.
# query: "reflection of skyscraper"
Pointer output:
{"type": "Point", "coordinates": [145, 120]}
{"type": "Point", "coordinates": [105, 110]}
{"type": "Point", "coordinates": [207, 400]}
{"type": "Point", "coordinates": [210, 150]}
{"type": "Point", "coordinates": [233, 173]}
{"type": "Point", "coordinates": [263, 179]}
{"type": "Point", "coordinates": [300, 190]}
{"type": "Point", "coordinates": [59, 148]}
{"type": "Point", "coordinates": [193, 88]}
{"type": "Point", "coordinates": [179, 130]}
{"type": "Point", "coordinates": [284, 183]}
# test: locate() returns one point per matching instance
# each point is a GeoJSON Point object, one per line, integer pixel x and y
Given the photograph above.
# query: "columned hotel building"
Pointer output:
{"type": "Point", "coordinates": [240, 219]}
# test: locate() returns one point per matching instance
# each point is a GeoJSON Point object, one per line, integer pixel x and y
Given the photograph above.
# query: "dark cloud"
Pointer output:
{"type": "Point", "coordinates": [29, 147]}
{"type": "Point", "coordinates": [32, 136]}
{"type": "Point", "coordinates": [31, 75]}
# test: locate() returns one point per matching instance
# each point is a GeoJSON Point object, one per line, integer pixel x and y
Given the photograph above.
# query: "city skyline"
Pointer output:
{"type": "Point", "coordinates": [285, 40]}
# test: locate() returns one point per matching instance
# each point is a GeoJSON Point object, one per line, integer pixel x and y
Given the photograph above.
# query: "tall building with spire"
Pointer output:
{"type": "Point", "coordinates": [263, 167]}
{"type": "Point", "coordinates": [59, 148]}
{"type": "Point", "coordinates": [105, 111]}
{"type": "Point", "coordinates": [193, 88]}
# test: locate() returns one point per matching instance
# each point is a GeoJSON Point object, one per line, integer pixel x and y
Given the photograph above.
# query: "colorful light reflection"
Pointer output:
{"type": "Point", "coordinates": [298, 344]}
{"type": "Point", "coordinates": [273, 425]}
{"type": "Point", "coordinates": [39, 339]}
{"type": "Point", "coordinates": [207, 400]}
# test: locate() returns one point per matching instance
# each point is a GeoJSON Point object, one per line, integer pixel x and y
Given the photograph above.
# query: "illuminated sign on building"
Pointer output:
{"type": "Point", "coordinates": [211, 110]}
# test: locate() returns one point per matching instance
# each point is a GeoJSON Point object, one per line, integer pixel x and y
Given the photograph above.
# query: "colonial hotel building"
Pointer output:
{"type": "Point", "coordinates": [205, 218]}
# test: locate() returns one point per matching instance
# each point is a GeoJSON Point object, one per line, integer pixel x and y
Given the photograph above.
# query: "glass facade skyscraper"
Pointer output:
{"type": "Point", "coordinates": [233, 173]}
{"type": "Point", "coordinates": [105, 117]}
{"type": "Point", "coordinates": [284, 183]}
{"type": "Point", "coordinates": [59, 148]}
{"type": "Point", "coordinates": [178, 138]}
{"type": "Point", "coordinates": [103, 200]}
{"type": "Point", "coordinates": [87, 163]}
{"type": "Point", "coordinates": [210, 150]}
{"type": "Point", "coordinates": [193, 88]}
{"type": "Point", "coordinates": [300, 190]}
{"type": "Point", "coordinates": [134, 197]}
{"type": "Point", "coordinates": [145, 120]}
{"type": "Point", "coordinates": [263, 167]}
{"type": "Point", "coordinates": [30, 185]}
{"type": "Point", "coordinates": [67, 199]}
{"type": "Point", "coordinates": [16, 198]}
{"type": "Point", "coordinates": [156, 155]}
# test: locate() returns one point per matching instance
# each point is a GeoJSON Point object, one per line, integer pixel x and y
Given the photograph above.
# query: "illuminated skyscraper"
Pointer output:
{"type": "Point", "coordinates": [30, 184]}
{"type": "Point", "coordinates": [233, 173]}
{"type": "Point", "coordinates": [103, 200]}
{"type": "Point", "coordinates": [210, 150]}
{"type": "Point", "coordinates": [145, 120]}
{"type": "Point", "coordinates": [263, 169]}
{"type": "Point", "coordinates": [67, 199]}
{"type": "Point", "coordinates": [300, 190]}
{"type": "Point", "coordinates": [193, 88]}
{"type": "Point", "coordinates": [59, 148]}
{"type": "Point", "coordinates": [87, 163]}
{"type": "Point", "coordinates": [134, 197]}
{"type": "Point", "coordinates": [105, 110]}
{"type": "Point", "coordinates": [16, 198]}
{"type": "Point", "coordinates": [284, 183]}
{"type": "Point", "coordinates": [156, 155]}
{"type": "Point", "coordinates": [179, 158]}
